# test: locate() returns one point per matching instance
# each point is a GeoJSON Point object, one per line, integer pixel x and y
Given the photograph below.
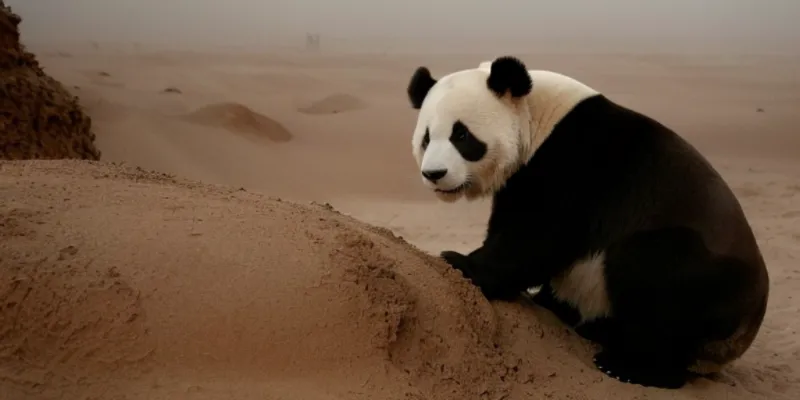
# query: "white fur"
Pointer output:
{"type": "Point", "coordinates": [584, 287]}
{"type": "Point", "coordinates": [513, 129]}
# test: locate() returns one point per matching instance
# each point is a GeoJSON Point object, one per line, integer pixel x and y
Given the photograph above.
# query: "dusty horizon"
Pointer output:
{"type": "Point", "coordinates": [716, 26]}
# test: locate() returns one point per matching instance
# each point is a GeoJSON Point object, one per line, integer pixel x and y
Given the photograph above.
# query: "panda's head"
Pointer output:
{"type": "Point", "coordinates": [471, 128]}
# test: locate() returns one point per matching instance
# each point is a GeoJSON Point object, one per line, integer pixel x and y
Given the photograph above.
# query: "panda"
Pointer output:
{"type": "Point", "coordinates": [631, 235]}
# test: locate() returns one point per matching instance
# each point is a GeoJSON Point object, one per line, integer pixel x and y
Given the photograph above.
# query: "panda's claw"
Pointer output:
{"type": "Point", "coordinates": [457, 261]}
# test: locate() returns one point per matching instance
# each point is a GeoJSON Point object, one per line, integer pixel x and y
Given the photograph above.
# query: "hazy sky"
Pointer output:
{"type": "Point", "coordinates": [253, 21]}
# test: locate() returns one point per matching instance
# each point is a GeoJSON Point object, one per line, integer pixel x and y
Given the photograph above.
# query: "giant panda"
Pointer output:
{"type": "Point", "coordinates": [633, 237]}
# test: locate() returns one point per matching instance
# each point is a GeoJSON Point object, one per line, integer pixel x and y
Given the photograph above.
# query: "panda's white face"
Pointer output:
{"type": "Point", "coordinates": [467, 138]}
{"type": "Point", "coordinates": [477, 127]}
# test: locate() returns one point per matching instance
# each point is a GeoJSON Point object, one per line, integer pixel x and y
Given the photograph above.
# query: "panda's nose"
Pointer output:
{"type": "Point", "coordinates": [434, 175]}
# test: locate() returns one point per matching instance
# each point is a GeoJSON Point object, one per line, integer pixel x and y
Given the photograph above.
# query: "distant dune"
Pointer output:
{"type": "Point", "coordinates": [240, 119]}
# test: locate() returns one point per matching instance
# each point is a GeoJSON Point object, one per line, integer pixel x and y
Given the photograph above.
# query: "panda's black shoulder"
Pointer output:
{"type": "Point", "coordinates": [601, 118]}
{"type": "Point", "coordinates": [597, 156]}
{"type": "Point", "coordinates": [600, 134]}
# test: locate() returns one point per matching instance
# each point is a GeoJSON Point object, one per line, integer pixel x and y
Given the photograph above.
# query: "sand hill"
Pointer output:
{"type": "Point", "coordinates": [39, 118]}
{"type": "Point", "coordinates": [231, 287]}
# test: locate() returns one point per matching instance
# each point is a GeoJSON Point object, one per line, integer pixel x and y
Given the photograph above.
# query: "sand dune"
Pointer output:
{"type": "Point", "coordinates": [240, 119]}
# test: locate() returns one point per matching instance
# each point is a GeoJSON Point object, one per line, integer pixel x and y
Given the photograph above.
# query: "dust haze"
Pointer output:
{"type": "Point", "coordinates": [706, 25]}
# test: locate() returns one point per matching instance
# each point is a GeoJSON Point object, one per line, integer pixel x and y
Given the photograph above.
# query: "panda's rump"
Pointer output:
{"type": "Point", "coordinates": [668, 278]}
{"type": "Point", "coordinates": [638, 275]}
{"type": "Point", "coordinates": [662, 292]}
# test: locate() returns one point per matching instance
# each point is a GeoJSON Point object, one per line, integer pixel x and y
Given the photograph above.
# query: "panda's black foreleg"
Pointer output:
{"type": "Point", "coordinates": [506, 265]}
{"type": "Point", "coordinates": [497, 271]}
{"type": "Point", "coordinates": [494, 286]}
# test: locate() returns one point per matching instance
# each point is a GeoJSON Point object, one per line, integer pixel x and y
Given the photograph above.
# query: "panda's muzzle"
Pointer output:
{"type": "Point", "coordinates": [434, 175]}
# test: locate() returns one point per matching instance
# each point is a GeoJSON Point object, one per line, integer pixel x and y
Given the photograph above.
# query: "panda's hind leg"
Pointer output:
{"type": "Point", "coordinates": [546, 299]}
{"type": "Point", "coordinates": [639, 354]}
{"type": "Point", "coordinates": [667, 291]}
{"type": "Point", "coordinates": [596, 330]}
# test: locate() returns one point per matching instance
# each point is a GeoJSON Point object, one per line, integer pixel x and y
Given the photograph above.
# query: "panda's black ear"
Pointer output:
{"type": "Point", "coordinates": [509, 74]}
{"type": "Point", "coordinates": [421, 83]}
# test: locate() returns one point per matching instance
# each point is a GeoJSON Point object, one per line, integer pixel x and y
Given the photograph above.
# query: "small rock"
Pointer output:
{"type": "Point", "coordinates": [171, 89]}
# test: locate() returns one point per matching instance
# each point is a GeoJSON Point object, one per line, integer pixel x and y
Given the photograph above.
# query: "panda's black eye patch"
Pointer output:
{"type": "Point", "coordinates": [426, 139]}
{"type": "Point", "coordinates": [460, 132]}
{"type": "Point", "coordinates": [470, 147]}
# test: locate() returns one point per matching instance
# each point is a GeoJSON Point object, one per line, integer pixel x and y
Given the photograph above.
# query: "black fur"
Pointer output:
{"type": "Point", "coordinates": [469, 147]}
{"type": "Point", "coordinates": [682, 266]}
{"type": "Point", "coordinates": [419, 86]}
{"type": "Point", "coordinates": [509, 74]}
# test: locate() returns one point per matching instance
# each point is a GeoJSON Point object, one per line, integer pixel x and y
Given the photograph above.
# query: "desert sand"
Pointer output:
{"type": "Point", "coordinates": [256, 229]}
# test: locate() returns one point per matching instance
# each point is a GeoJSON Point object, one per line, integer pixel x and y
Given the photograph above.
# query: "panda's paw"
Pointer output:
{"type": "Point", "coordinates": [457, 261]}
{"type": "Point", "coordinates": [649, 375]}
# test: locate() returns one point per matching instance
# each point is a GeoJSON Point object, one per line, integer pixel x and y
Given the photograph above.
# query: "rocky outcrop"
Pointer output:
{"type": "Point", "coordinates": [39, 118]}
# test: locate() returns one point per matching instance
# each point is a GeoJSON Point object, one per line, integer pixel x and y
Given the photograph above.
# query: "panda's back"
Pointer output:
{"type": "Point", "coordinates": [628, 172]}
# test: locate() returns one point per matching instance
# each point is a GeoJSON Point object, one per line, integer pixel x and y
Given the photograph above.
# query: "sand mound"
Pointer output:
{"type": "Point", "coordinates": [334, 104]}
{"type": "Point", "coordinates": [39, 118]}
{"type": "Point", "coordinates": [241, 119]}
{"type": "Point", "coordinates": [169, 287]}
